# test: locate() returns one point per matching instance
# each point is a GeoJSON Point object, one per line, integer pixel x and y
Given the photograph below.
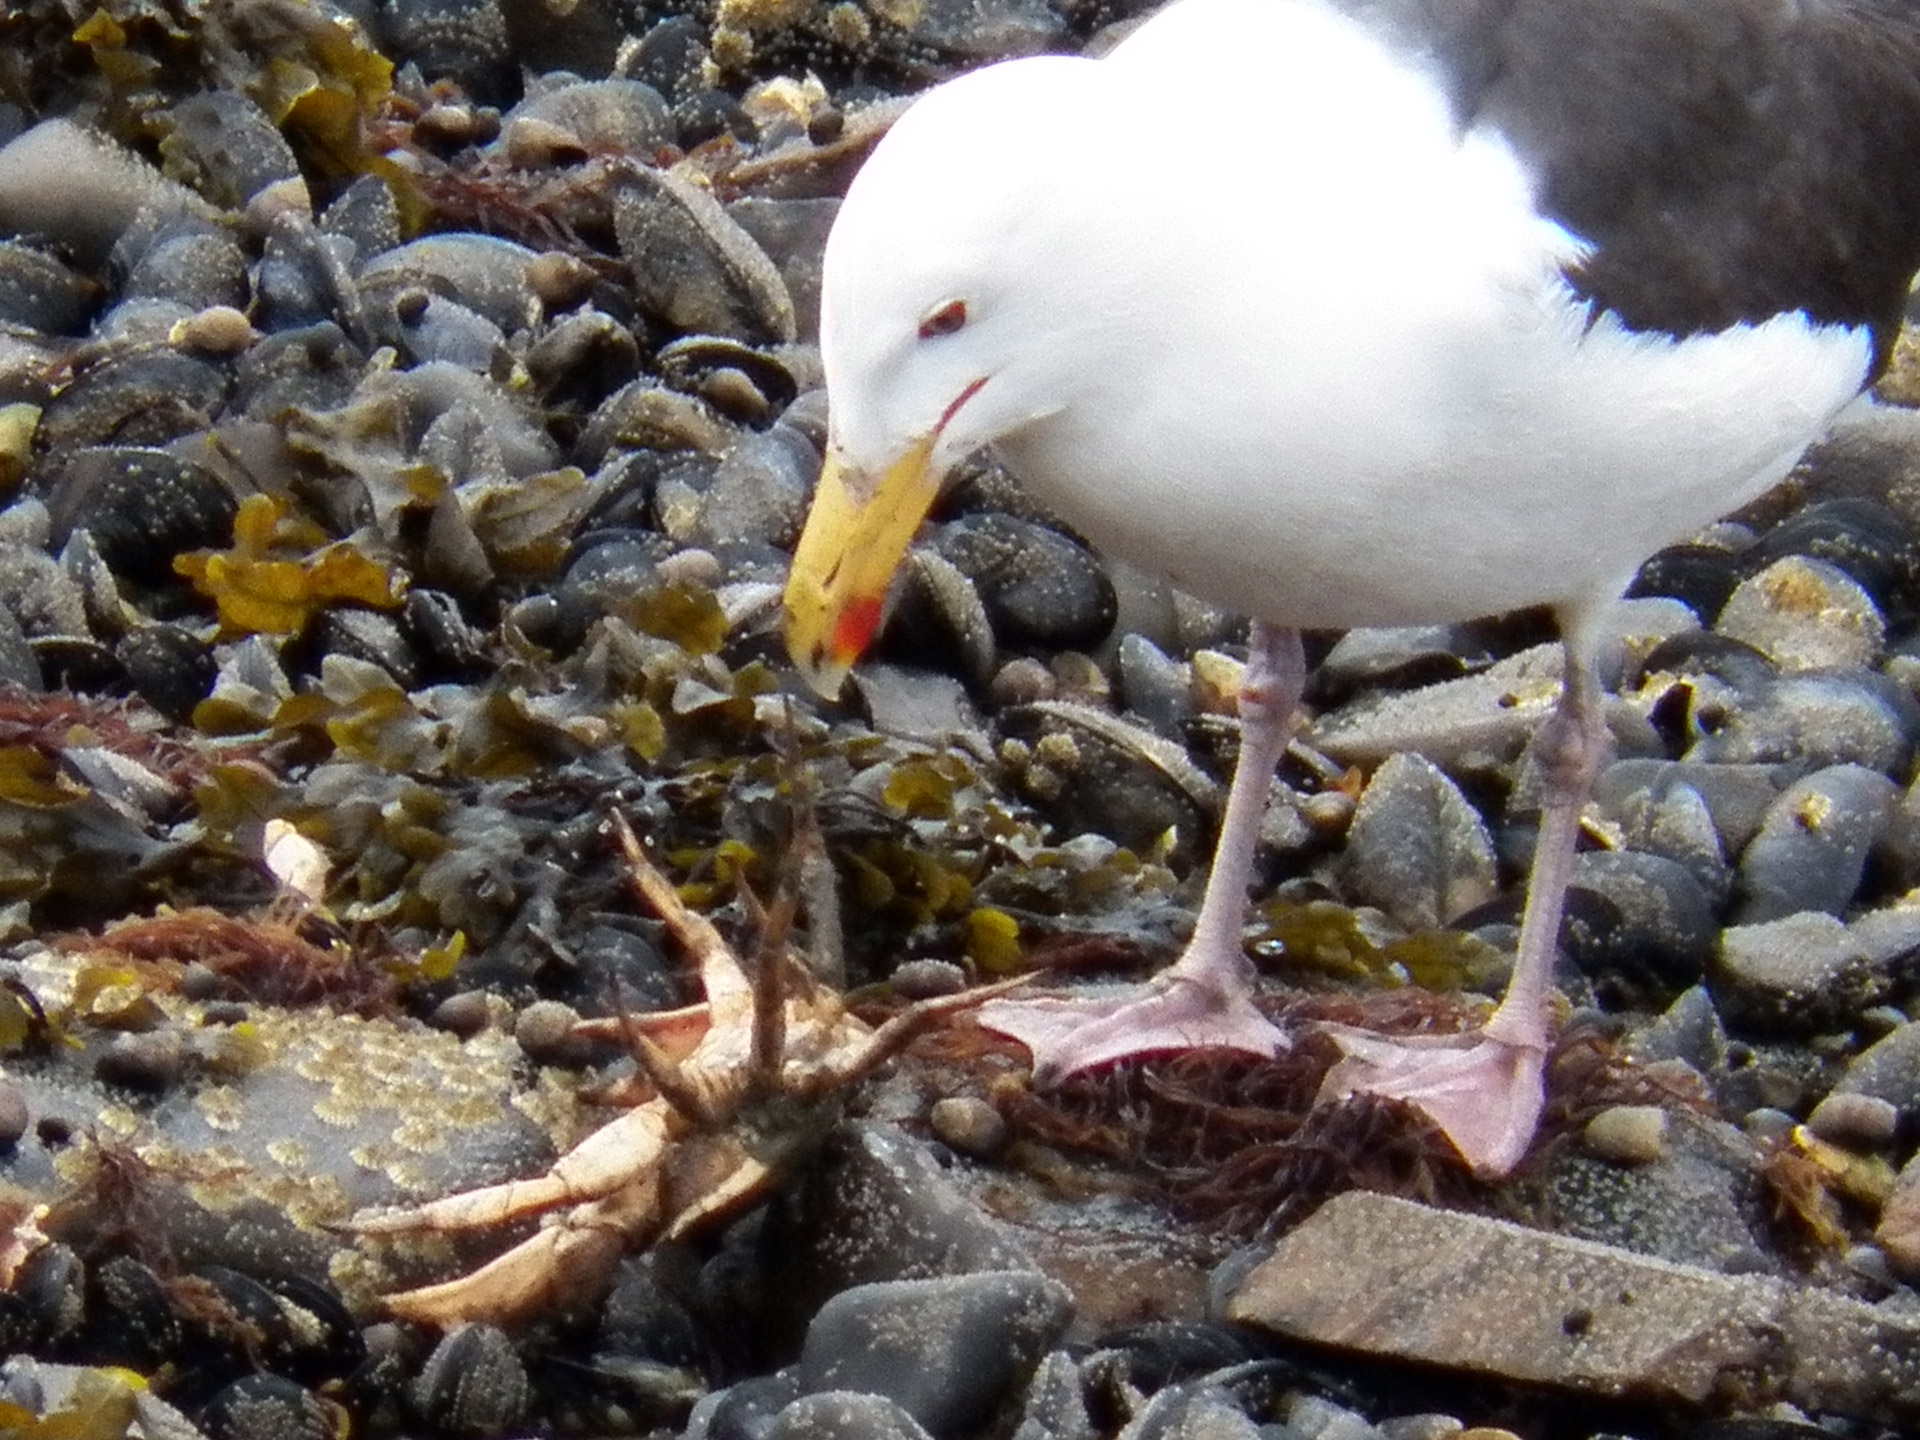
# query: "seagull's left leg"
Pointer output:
{"type": "Point", "coordinates": [1204, 997]}
{"type": "Point", "coordinates": [1485, 1089]}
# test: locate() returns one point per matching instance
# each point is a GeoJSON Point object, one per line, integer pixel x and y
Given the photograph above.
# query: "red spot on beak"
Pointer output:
{"type": "Point", "coordinates": [856, 625]}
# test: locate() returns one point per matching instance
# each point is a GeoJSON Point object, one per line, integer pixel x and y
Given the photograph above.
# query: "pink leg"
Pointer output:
{"type": "Point", "coordinates": [1485, 1089]}
{"type": "Point", "coordinates": [1202, 999]}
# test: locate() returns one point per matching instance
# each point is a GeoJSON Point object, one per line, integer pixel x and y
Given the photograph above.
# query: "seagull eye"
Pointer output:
{"type": "Point", "coordinates": [944, 320]}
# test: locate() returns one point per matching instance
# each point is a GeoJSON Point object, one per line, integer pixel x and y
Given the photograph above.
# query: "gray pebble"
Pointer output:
{"type": "Point", "coordinates": [923, 979]}
{"type": "Point", "coordinates": [1416, 849]}
{"type": "Point", "coordinates": [1039, 587]}
{"type": "Point", "coordinates": [843, 1415]}
{"type": "Point", "coordinates": [1627, 1134]}
{"type": "Point", "coordinates": [951, 1351]}
{"type": "Point", "coordinates": [465, 1014]}
{"type": "Point", "coordinates": [1888, 1069]}
{"type": "Point", "coordinates": [1805, 614]}
{"type": "Point", "coordinates": [1850, 1118]}
{"type": "Point", "coordinates": [969, 1124]}
{"type": "Point", "coordinates": [151, 1062]}
{"type": "Point", "coordinates": [14, 1116]}
{"type": "Point", "coordinates": [1658, 931]}
{"type": "Point", "coordinates": [1199, 1412]}
{"type": "Point", "coordinates": [545, 1030]}
{"type": "Point", "coordinates": [1858, 718]}
{"type": "Point", "coordinates": [1798, 975]}
{"type": "Point", "coordinates": [1813, 844]}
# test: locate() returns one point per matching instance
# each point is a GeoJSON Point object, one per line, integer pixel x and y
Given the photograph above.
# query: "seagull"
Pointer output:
{"type": "Point", "coordinates": [1348, 313]}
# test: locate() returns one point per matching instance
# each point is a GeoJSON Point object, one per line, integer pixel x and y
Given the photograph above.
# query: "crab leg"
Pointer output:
{"type": "Point", "coordinates": [597, 1167]}
{"type": "Point", "coordinates": [570, 1258]}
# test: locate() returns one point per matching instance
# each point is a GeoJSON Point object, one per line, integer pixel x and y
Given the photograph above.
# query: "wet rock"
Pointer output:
{"type": "Point", "coordinates": [1637, 793]}
{"type": "Point", "coordinates": [843, 1415]}
{"type": "Point", "coordinates": [1898, 1233]}
{"type": "Point", "coordinates": [1488, 718]}
{"type": "Point", "coordinates": [694, 266]}
{"type": "Point", "coordinates": [970, 1125]}
{"type": "Point", "coordinates": [1094, 772]}
{"type": "Point", "coordinates": [1701, 577]}
{"type": "Point", "coordinates": [1795, 976]}
{"type": "Point", "coordinates": [1391, 1278]}
{"type": "Point", "coordinates": [1200, 1412]}
{"type": "Point", "coordinates": [72, 186]}
{"type": "Point", "coordinates": [1627, 1134]}
{"type": "Point", "coordinates": [873, 1207]}
{"type": "Point", "coordinates": [1856, 718]}
{"type": "Point", "coordinates": [1805, 614]}
{"type": "Point", "coordinates": [1670, 818]}
{"type": "Point", "coordinates": [1667, 1184]}
{"type": "Point", "coordinates": [1688, 1032]}
{"type": "Point", "coordinates": [1888, 1069]}
{"type": "Point", "coordinates": [1850, 1118]}
{"type": "Point", "coordinates": [266, 1407]}
{"type": "Point", "coordinates": [473, 1384]}
{"type": "Point", "coordinates": [570, 123]}
{"type": "Point", "coordinates": [1416, 849]}
{"type": "Point", "coordinates": [951, 1351]}
{"type": "Point", "coordinates": [1652, 930]}
{"type": "Point", "coordinates": [1813, 844]}
{"type": "Point", "coordinates": [1039, 587]}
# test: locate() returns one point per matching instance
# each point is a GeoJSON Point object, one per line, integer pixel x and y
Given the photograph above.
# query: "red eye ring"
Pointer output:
{"type": "Point", "coordinates": [944, 320]}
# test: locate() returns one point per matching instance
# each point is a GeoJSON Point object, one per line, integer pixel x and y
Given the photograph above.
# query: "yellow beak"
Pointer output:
{"type": "Point", "coordinates": [847, 556]}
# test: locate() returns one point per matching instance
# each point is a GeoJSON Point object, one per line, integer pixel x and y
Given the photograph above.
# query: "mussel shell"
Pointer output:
{"type": "Point", "coordinates": [143, 507]}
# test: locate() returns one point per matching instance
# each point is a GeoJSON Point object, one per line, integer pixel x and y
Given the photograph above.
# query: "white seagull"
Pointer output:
{"type": "Point", "coordinates": [1368, 312]}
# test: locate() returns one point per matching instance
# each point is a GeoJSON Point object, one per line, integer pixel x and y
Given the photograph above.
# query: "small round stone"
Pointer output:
{"type": "Point", "coordinates": [150, 1062]}
{"type": "Point", "coordinates": [216, 330]}
{"type": "Point", "coordinates": [13, 1116]}
{"type": "Point", "coordinates": [969, 1124]}
{"type": "Point", "coordinates": [1849, 1118]}
{"type": "Point", "coordinates": [1628, 1134]}
{"type": "Point", "coordinates": [925, 979]}
{"type": "Point", "coordinates": [545, 1031]}
{"type": "Point", "coordinates": [1022, 681]}
{"type": "Point", "coordinates": [464, 1014]}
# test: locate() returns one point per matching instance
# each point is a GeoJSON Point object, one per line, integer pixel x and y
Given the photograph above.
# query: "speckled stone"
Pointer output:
{"type": "Point", "coordinates": [1392, 1278]}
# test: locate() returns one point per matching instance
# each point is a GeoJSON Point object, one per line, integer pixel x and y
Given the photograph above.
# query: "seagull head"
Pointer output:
{"type": "Point", "coordinates": [945, 326]}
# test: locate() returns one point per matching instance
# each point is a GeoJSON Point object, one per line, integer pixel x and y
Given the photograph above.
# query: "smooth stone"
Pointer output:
{"type": "Point", "coordinates": [1898, 1231]}
{"type": "Point", "coordinates": [1627, 1134]}
{"type": "Point", "coordinates": [915, 704]}
{"type": "Point", "coordinates": [1680, 1196]}
{"type": "Point", "coordinates": [1687, 1031]}
{"type": "Point", "coordinates": [1813, 845]}
{"type": "Point", "coordinates": [843, 1415]}
{"type": "Point", "coordinates": [1154, 686]}
{"type": "Point", "coordinates": [1861, 536]}
{"type": "Point", "coordinates": [1671, 819]}
{"type": "Point", "coordinates": [969, 1124]}
{"type": "Point", "coordinates": [1416, 849]}
{"type": "Point", "coordinates": [875, 1206]}
{"type": "Point", "coordinates": [1798, 976]}
{"type": "Point", "coordinates": [1488, 717]}
{"type": "Point", "coordinates": [1055, 1407]}
{"type": "Point", "coordinates": [951, 1351]}
{"type": "Point", "coordinates": [1850, 1118]}
{"type": "Point", "coordinates": [1390, 1278]}
{"type": "Point", "coordinates": [1199, 1412]}
{"type": "Point", "coordinates": [1805, 614]}
{"type": "Point", "coordinates": [1040, 587]}
{"type": "Point", "coordinates": [1662, 931]}
{"type": "Point", "coordinates": [1736, 796]}
{"type": "Point", "coordinates": [1888, 1069]}
{"type": "Point", "coordinates": [1858, 718]}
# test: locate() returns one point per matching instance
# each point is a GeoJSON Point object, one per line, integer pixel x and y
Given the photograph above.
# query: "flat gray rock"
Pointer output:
{"type": "Point", "coordinates": [1395, 1279]}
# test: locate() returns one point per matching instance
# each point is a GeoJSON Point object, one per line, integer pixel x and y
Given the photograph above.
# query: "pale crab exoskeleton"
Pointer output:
{"type": "Point", "coordinates": [731, 1093]}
